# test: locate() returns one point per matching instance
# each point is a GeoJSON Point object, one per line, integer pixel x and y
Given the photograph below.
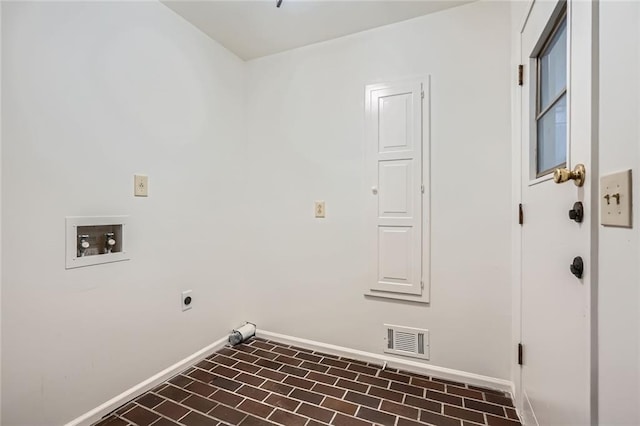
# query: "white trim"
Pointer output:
{"type": "Point", "coordinates": [527, 416]}
{"type": "Point", "coordinates": [404, 364]}
{"type": "Point", "coordinates": [526, 16]}
{"type": "Point", "coordinates": [516, 228]}
{"type": "Point", "coordinates": [425, 295]}
{"type": "Point", "coordinates": [541, 179]}
{"type": "Point", "coordinates": [1, 219]}
{"type": "Point", "coordinates": [416, 298]}
{"type": "Point", "coordinates": [97, 413]}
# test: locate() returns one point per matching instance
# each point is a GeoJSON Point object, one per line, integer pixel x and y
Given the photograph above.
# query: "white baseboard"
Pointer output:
{"type": "Point", "coordinates": [528, 416]}
{"type": "Point", "coordinates": [97, 413]}
{"type": "Point", "coordinates": [403, 364]}
{"type": "Point", "coordinates": [417, 367]}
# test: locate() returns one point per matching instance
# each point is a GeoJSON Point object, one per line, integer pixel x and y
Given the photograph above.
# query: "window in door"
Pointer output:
{"type": "Point", "coordinates": [551, 101]}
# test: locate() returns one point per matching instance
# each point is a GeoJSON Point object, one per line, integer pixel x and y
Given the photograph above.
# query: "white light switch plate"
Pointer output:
{"type": "Point", "coordinates": [319, 209]}
{"type": "Point", "coordinates": [141, 186]}
{"type": "Point", "coordinates": [615, 199]}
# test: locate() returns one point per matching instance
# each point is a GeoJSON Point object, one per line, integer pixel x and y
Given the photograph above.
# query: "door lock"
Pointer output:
{"type": "Point", "coordinates": [577, 267]}
{"type": "Point", "coordinates": [577, 175]}
{"type": "Point", "coordinates": [577, 212]}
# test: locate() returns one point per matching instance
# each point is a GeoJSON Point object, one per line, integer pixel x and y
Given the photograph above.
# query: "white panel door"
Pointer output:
{"type": "Point", "coordinates": [556, 119]}
{"type": "Point", "coordinates": [394, 157]}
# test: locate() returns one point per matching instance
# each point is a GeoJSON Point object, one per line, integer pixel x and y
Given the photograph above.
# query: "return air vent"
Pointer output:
{"type": "Point", "coordinates": [407, 341]}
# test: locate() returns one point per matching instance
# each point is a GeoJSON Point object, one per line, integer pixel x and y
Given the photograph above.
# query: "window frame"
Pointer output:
{"type": "Point", "coordinates": [538, 113]}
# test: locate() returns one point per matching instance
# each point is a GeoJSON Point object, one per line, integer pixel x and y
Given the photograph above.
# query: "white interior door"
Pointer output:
{"type": "Point", "coordinates": [556, 117]}
{"type": "Point", "coordinates": [394, 156]}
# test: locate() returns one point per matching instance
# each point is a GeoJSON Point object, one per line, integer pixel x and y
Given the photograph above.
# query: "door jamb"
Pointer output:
{"type": "Point", "coordinates": [516, 194]}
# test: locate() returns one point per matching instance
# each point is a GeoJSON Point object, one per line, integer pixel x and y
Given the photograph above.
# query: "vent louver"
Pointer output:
{"type": "Point", "coordinates": [421, 343]}
{"type": "Point", "coordinates": [407, 341]}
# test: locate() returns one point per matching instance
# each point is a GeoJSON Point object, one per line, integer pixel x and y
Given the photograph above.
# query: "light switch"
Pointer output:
{"type": "Point", "coordinates": [615, 199]}
{"type": "Point", "coordinates": [141, 186]}
{"type": "Point", "coordinates": [319, 209]}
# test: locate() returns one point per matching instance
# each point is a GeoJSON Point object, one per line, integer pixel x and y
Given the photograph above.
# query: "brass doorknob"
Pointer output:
{"type": "Point", "coordinates": [577, 175]}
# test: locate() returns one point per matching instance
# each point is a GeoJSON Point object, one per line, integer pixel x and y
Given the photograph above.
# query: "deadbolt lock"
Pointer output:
{"type": "Point", "coordinates": [577, 212]}
{"type": "Point", "coordinates": [577, 175]}
{"type": "Point", "coordinates": [577, 267]}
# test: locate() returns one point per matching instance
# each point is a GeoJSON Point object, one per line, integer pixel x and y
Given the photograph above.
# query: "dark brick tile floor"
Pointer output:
{"type": "Point", "coordinates": [263, 382]}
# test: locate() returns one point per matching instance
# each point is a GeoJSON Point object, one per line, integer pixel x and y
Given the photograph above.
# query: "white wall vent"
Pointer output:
{"type": "Point", "coordinates": [407, 341]}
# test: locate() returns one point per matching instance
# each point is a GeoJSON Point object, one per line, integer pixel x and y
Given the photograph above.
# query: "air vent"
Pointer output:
{"type": "Point", "coordinates": [407, 341]}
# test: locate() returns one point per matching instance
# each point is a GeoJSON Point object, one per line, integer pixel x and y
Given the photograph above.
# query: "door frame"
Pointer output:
{"type": "Point", "coordinates": [581, 13]}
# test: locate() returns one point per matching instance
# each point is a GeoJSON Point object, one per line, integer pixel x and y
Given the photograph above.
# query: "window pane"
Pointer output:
{"type": "Point", "coordinates": [553, 67]}
{"type": "Point", "coordinates": [552, 137]}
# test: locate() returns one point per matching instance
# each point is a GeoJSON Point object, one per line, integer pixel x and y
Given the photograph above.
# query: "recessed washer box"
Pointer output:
{"type": "Point", "coordinates": [93, 240]}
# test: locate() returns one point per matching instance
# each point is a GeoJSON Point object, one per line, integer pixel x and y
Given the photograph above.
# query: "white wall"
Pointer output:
{"type": "Point", "coordinates": [93, 93]}
{"type": "Point", "coordinates": [306, 142]}
{"type": "Point", "coordinates": [619, 295]}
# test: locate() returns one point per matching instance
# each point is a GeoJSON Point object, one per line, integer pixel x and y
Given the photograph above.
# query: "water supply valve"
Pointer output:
{"type": "Point", "coordinates": [109, 241]}
{"type": "Point", "coordinates": [83, 244]}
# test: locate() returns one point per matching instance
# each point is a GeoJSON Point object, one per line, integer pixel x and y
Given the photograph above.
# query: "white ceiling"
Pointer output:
{"type": "Point", "coordinates": [252, 29]}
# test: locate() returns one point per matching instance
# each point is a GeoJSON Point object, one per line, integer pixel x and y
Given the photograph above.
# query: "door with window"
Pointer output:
{"type": "Point", "coordinates": [556, 259]}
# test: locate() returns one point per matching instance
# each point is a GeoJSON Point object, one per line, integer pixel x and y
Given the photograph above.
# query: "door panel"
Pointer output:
{"type": "Point", "coordinates": [555, 305]}
{"type": "Point", "coordinates": [394, 162]}
{"type": "Point", "coordinates": [395, 255]}
{"type": "Point", "coordinates": [395, 117]}
{"type": "Point", "coordinates": [396, 182]}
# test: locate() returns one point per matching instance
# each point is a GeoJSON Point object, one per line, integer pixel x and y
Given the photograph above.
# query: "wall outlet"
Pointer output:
{"type": "Point", "coordinates": [186, 300]}
{"type": "Point", "coordinates": [141, 186]}
{"type": "Point", "coordinates": [319, 209]}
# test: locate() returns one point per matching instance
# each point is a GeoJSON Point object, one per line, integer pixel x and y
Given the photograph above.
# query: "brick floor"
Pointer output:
{"type": "Point", "coordinates": [263, 382]}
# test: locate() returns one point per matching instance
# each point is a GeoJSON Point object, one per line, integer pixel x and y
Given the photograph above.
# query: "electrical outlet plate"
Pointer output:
{"type": "Point", "coordinates": [319, 209]}
{"type": "Point", "coordinates": [186, 296]}
{"type": "Point", "coordinates": [615, 199]}
{"type": "Point", "coordinates": [141, 186]}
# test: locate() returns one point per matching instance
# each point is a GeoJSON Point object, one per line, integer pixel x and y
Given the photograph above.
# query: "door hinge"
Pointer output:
{"type": "Point", "coordinates": [520, 214]}
{"type": "Point", "coordinates": [422, 188]}
{"type": "Point", "coordinates": [422, 285]}
{"type": "Point", "coordinates": [520, 75]}
{"type": "Point", "coordinates": [520, 353]}
{"type": "Point", "coordinates": [422, 94]}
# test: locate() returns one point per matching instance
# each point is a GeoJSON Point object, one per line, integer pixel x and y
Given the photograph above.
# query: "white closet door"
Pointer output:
{"type": "Point", "coordinates": [394, 157]}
